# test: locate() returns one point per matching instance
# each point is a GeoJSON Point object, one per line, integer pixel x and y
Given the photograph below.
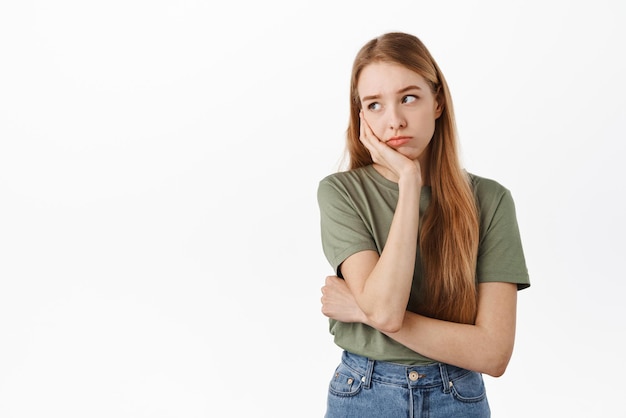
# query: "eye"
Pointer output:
{"type": "Point", "coordinates": [373, 106]}
{"type": "Point", "coordinates": [409, 98]}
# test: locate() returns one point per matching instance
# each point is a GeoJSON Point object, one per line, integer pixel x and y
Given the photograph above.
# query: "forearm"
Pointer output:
{"type": "Point", "coordinates": [485, 347]}
{"type": "Point", "coordinates": [469, 346]}
{"type": "Point", "coordinates": [384, 295]}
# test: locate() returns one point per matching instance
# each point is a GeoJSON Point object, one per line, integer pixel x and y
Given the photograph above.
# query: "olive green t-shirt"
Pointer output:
{"type": "Point", "coordinates": [356, 210]}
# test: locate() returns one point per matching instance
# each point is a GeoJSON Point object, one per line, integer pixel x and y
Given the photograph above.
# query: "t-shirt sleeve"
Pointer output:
{"type": "Point", "coordinates": [343, 229]}
{"type": "Point", "coordinates": [500, 253]}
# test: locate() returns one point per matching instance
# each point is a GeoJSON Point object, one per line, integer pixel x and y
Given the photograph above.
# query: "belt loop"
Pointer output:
{"type": "Point", "coordinates": [445, 380]}
{"type": "Point", "coordinates": [367, 379]}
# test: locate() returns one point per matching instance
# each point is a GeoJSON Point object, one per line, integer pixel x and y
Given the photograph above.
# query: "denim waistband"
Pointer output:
{"type": "Point", "coordinates": [436, 374]}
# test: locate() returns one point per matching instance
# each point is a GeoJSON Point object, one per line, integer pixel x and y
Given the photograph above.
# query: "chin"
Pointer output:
{"type": "Point", "coordinates": [410, 154]}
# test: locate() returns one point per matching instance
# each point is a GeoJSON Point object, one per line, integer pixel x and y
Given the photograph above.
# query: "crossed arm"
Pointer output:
{"type": "Point", "coordinates": [375, 290]}
{"type": "Point", "coordinates": [484, 347]}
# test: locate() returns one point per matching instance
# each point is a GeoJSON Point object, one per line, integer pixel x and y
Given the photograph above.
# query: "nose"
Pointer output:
{"type": "Point", "coordinates": [396, 119]}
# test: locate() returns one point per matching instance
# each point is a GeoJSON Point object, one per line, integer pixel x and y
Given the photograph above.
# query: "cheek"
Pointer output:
{"type": "Point", "coordinates": [378, 127]}
{"type": "Point", "coordinates": [427, 122]}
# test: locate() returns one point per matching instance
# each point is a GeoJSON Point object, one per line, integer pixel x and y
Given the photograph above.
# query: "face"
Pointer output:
{"type": "Point", "coordinates": [399, 106]}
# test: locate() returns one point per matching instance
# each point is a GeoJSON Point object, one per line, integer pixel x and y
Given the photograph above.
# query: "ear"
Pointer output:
{"type": "Point", "coordinates": [439, 104]}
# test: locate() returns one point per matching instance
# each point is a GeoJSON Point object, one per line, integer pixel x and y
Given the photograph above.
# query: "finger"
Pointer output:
{"type": "Point", "coordinates": [366, 129]}
{"type": "Point", "coordinates": [332, 280]}
{"type": "Point", "coordinates": [367, 137]}
{"type": "Point", "coordinates": [362, 123]}
{"type": "Point", "coordinates": [369, 132]}
{"type": "Point", "coordinates": [374, 145]}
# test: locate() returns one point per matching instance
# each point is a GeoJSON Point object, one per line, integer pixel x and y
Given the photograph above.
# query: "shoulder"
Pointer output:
{"type": "Point", "coordinates": [487, 190]}
{"type": "Point", "coordinates": [486, 186]}
{"type": "Point", "coordinates": [493, 198]}
{"type": "Point", "coordinates": [344, 182]}
{"type": "Point", "coordinates": [348, 177]}
{"type": "Point", "coordinates": [495, 202]}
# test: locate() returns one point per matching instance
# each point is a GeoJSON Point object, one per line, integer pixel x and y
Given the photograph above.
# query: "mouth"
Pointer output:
{"type": "Point", "coordinates": [397, 141]}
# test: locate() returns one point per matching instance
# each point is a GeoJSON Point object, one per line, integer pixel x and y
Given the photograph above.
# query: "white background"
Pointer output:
{"type": "Point", "coordinates": [159, 238]}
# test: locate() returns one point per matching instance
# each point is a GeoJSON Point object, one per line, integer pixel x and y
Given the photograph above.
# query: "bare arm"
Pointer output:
{"type": "Point", "coordinates": [381, 285]}
{"type": "Point", "coordinates": [485, 347]}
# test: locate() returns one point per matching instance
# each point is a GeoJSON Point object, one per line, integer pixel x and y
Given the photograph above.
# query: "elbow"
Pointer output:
{"type": "Point", "coordinates": [386, 323]}
{"type": "Point", "coordinates": [496, 370]}
{"type": "Point", "coordinates": [497, 351]}
{"type": "Point", "coordinates": [497, 364]}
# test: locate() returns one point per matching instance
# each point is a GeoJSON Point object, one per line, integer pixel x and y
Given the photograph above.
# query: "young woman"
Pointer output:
{"type": "Point", "coordinates": [428, 257]}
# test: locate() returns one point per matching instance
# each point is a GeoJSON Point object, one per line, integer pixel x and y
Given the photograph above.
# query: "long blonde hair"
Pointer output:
{"type": "Point", "coordinates": [448, 237]}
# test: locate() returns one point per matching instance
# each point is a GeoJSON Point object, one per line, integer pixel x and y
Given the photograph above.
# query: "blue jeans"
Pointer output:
{"type": "Point", "coordinates": [363, 388]}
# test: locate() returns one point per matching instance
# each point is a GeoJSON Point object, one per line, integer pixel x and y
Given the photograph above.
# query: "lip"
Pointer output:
{"type": "Point", "coordinates": [397, 141]}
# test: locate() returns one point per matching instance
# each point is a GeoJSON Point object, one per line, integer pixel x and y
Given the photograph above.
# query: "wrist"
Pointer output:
{"type": "Point", "coordinates": [410, 176]}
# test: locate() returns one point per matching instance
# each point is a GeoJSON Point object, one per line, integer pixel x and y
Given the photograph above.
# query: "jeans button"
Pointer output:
{"type": "Point", "coordinates": [413, 376]}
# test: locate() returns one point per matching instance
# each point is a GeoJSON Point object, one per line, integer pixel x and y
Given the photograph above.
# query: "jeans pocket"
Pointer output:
{"type": "Point", "coordinates": [469, 387]}
{"type": "Point", "coordinates": [345, 382]}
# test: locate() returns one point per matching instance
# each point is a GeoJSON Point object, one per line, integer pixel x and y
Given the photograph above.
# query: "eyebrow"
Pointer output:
{"type": "Point", "coordinates": [403, 90]}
